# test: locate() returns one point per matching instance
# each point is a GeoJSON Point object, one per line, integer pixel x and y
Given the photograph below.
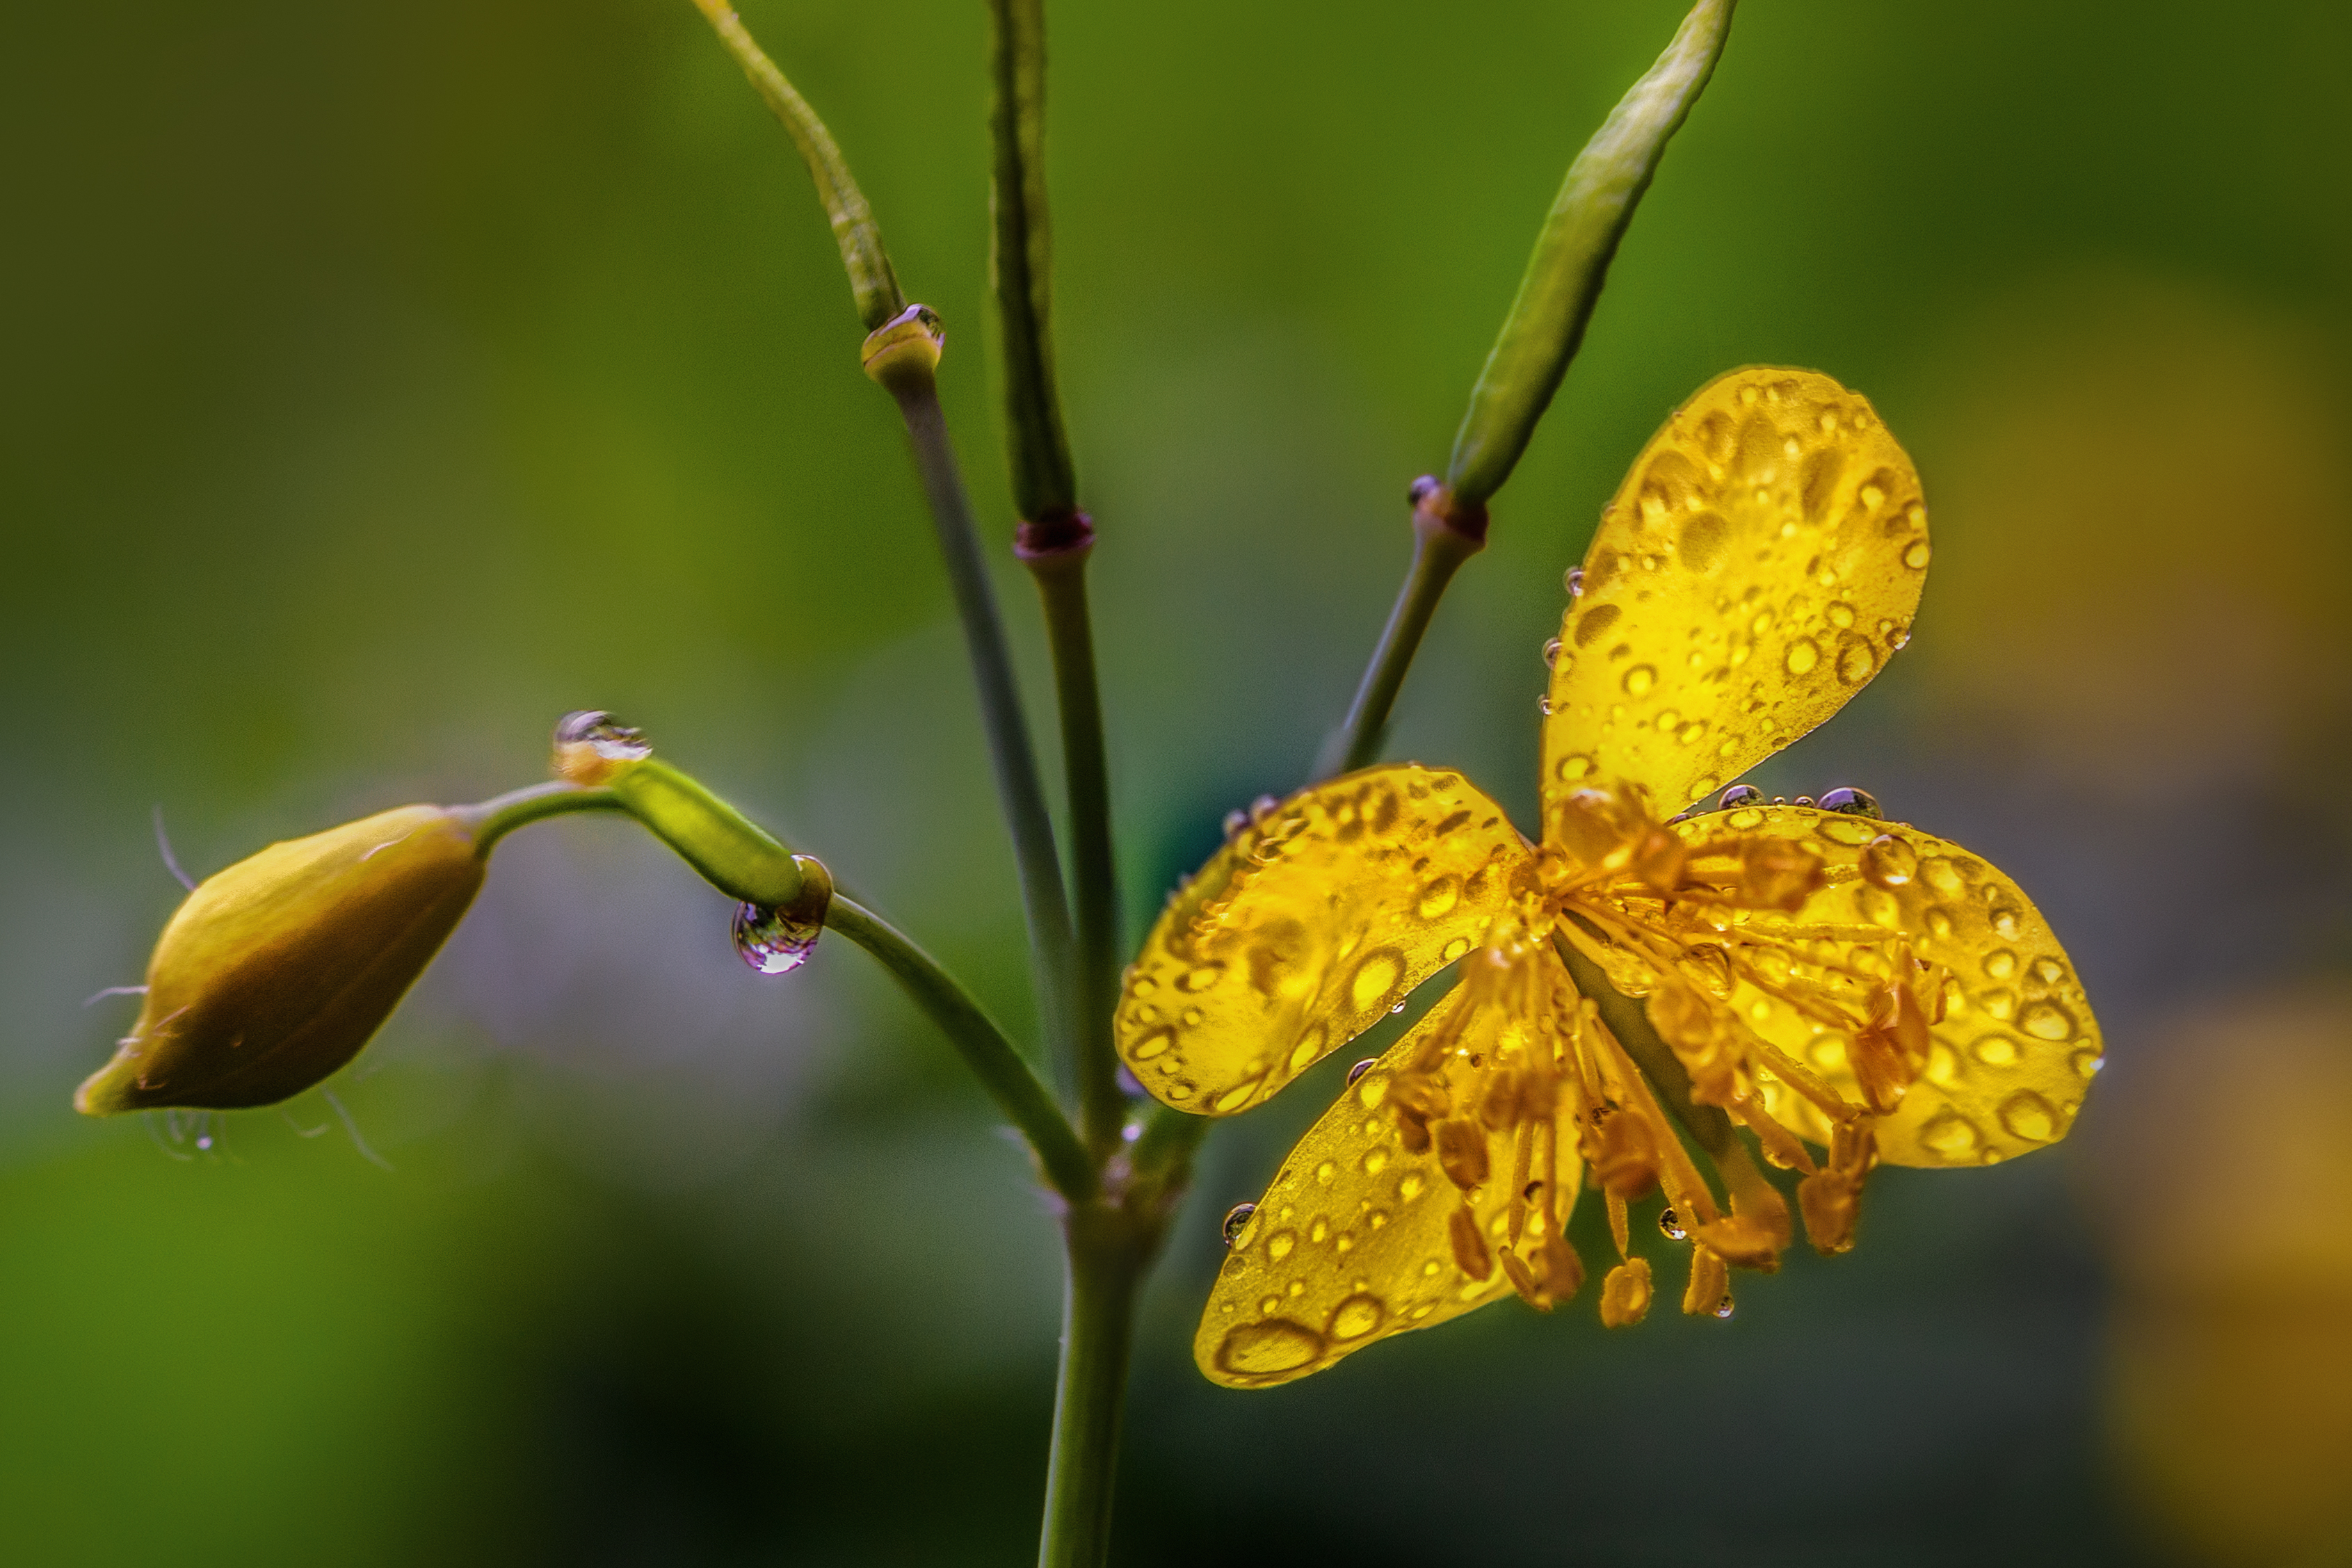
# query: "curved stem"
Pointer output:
{"type": "Point", "coordinates": [494, 819]}
{"type": "Point", "coordinates": [1017, 784]}
{"type": "Point", "coordinates": [1107, 1264]}
{"type": "Point", "coordinates": [1061, 588]}
{"type": "Point", "coordinates": [982, 1045]}
{"type": "Point", "coordinates": [1437, 553]}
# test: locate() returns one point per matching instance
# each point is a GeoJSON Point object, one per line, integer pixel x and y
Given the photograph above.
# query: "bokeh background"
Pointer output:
{"type": "Point", "coordinates": [384, 379]}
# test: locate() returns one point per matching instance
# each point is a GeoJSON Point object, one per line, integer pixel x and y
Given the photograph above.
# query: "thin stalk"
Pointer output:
{"type": "Point", "coordinates": [1106, 1262]}
{"type": "Point", "coordinates": [494, 819]}
{"type": "Point", "coordinates": [1018, 787]}
{"type": "Point", "coordinates": [1438, 551]}
{"type": "Point", "coordinates": [1061, 588]}
{"type": "Point", "coordinates": [983, 1046]}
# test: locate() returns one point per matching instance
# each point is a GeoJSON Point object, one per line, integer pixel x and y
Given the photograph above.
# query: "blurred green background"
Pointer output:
{"type": "Point", "coordinates": [387, 379]}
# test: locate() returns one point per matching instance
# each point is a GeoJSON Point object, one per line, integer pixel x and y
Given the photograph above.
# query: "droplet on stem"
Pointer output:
{"type": "Point", "coordinates": [773, 942]}
{"type": "Point", "coordinates": [1670, 1224]}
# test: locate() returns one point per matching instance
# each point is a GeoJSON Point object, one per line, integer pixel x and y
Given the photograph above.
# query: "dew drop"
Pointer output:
{"type": "Point", "coordinates": [602, 733]}
{"type": "Point", "coordinates": [1576, 765]}
{"type": "Point", "coordinates": [2088, 1062]}
{"type": "Point", "coordinates": [2028, 1115]}
{"type": "Point", "coordinates": [1376, 977]}
{"type": "Point", "coordinates": [1281, 1245]}
{"type": "Point", "coordinates": [1739, 795]}
{"type": "Point", "coordinates": [1802, 655]}
{"type": "Point", "coordinates": [1951, 1136]}
{"type": "Point", "coordinates": [2001, 964]}
{"type": "Point", "coordinates": [1235, 820]}
{"type": "Point", "coordinates": [1151, 1044]}
{"type": "Point", "coordinates": [2006, 922]}
{"type": "Point", "coordinates": [2048, 1021]}
{"type": "Point", "coordinates": [1573, 581]}
{"type": "Point", "coordinates": [1854, 663]}
{"type": "Point", "coordinates": [1356, 1316]}
{"type": "Point", "coordinates": [1438, 897]}
{"type": "Point", "coordinates": [1915, 557]}
{"type": "Point", "coordinates": [1723, 1307]}
{"type": "Point", "coordinates": [1889, 862]}
{"type": "Point", "coordinates": [772, 942]}
{"type": "Point", "coordinates": [1805, 800]}
{"type": "Point", "coordinates": [1239, 1095]}
{"type": "Point", "coordinates": [1265, 1348]}
{"type": "Point", "coordinates": [2049, 971]}
{"type": "Point", "coordinates": [1551, 654]}
{"type": "Point", "coordinates": [1236, 1217]}
{"type": "Point", "coordinates": [1640, 679]}
{"type": "Point", "coordinates": [1670, 1224]}
{"type": "Point", "coordinates": [1201, 978]}
{"type": "Point", "coordinates": [1995, 1051]}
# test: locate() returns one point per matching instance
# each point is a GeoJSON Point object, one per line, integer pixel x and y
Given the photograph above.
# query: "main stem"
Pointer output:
{"type": "Point", "coordinates": [1438, 551]}
{"type": "Point", "coordinates": [1061, 575]}
{"type": "Point", "coordinates": [1107, 1259]}
{"type": "Point", "coordinates": [1017, 784]}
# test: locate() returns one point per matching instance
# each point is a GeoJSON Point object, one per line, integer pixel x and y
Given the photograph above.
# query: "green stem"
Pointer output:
{"type": "Point", "coordinates": [1107, 1258]}
{"type": "Point", "coordinates": [1017, 784]}
{"type": "Point", "coordinates": [1062, 588]}
{"type": "Point", "coordinates": [871, 280]}
{"type": "Point", "coordinates": [494, 819]}
{"type": "Point", "coordinates": [984, 1047]}
{"type": "Point", "coordinates": [1438, 551]}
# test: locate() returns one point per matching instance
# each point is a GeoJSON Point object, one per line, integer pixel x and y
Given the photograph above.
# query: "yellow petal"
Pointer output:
{"type": "Point", "coordinates": [2007, 1066]}
{"type": "Point", "coordinates": [1308, 928]}
{"type": "Point", "coordinates": [1762, 561]}
{"type": "Point", "coordinates": [1355, 1240]}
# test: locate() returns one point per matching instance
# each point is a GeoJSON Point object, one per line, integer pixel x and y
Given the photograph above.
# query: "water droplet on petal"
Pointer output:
{"type": "Point", "coordinates": [1573, 581]}
{"type": "Point", "coordinates": [1850, 802]}
{"type": "Point", "coordinates": [1551, 652]}
{"type": "Point", "coordinates": [1671, 1225]}
{"type": "Point", "coordinates": [1356, 1316]}
{"type": "Point", "coordinates": [772, 942]}
{"type": "Point", "coordinates": [2006, 922]}
{"type": "Point", "coordinates": [1915, 557]}
{"type": "Point", "coordinates": [2001, 964]}
{"type": "Point", "coordinates": [1640, 679]}
{"type": "Point", "coordinates": [1236, 1217]}
{"type": "Point", "coordinates": [1951, 1136]}
{"type": "Point", "coordinates": [1806, 800]}
{"type": "Point", "coordinates": [2028, 1115]}
{"type": "Point", "coordinates": [1739, 795]}
{"type": "Point", "coordinates": [1281, 1244]}
{"type": "Point", "coordinates": [1265, 1348]}
{"type": "Point", "coordinates": [1360, 1069]}
{"type": "Point", "coordinates": [1889, 861]}
{"type": "Point", "coordinates": [1802, 655]}
{"type": "Point", "coordinates": [1438, 897]}
{"type": "Point", "coordinates": [2048, 1021]}
{"type": "Point", "coordinates": [1235, 820]}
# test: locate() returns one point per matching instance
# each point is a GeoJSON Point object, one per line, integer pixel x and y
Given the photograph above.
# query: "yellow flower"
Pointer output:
{"type": "Point", "coordinates": [273, 973]}
{"type": "Point", "coordinates": [1821, 975]}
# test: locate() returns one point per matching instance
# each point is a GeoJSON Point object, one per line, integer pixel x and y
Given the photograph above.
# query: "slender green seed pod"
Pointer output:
{"type": "Point", "coordinates": [273, 973]}
{"type": "Point", "coordinates": [1571, 259]}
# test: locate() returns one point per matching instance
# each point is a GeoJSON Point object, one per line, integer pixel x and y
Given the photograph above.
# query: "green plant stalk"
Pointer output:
{"type": "Point", "coordinates": [1018, 787]}
{"type": "Point", "coordinates": [985, 1049]}
{"type": "Point", "coordinates": [494, 819]}
{"type": "Point", "coordinates": [1045, 483]}
{"type": "Point", "coordinates": [1062, 590]}
{"type": "Point", "coordinates": [1108, 1254]}
{"type": "Point", "coordinates": [1438, 552]}
{"type": "Point", "coordinates": [871, 280]}
{"type": "Point", "coordinates": [1571, 256]}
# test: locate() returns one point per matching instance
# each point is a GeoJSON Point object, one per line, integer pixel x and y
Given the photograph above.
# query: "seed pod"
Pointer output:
{"type": "Point", "coordinates": [273, 973]}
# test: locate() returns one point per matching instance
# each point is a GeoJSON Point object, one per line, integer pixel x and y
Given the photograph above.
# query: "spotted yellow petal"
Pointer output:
{"type": "Point", "coordinates": [1355, 1241]}
{"type": "Point", "coordinates": [2006, 1068]}
{"type": "Point", "coordinates": [1762, 559]}
{"type": "Point", "coordinates": [1308, 927]}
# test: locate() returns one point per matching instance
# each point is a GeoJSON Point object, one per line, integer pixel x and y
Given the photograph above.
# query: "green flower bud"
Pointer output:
{"type": "Point", "coordinates": [273, 973]}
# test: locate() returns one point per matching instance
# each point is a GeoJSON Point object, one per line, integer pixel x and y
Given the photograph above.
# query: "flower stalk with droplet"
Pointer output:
{"type": "Point", "coordinates": [1809, 975]}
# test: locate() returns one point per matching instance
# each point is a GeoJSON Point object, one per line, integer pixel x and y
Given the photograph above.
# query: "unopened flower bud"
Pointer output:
{"type": "Point", "coordinates": [273, 973]}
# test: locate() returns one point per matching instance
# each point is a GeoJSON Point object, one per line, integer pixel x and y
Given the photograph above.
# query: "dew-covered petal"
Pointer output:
{"type": "Point", "coordinates": [1310, 925]}
{"type": "Point", "coordinates": [1762, 561]}
{"type": "Point", "coordinates": [2008, 1064]}
{"type": "Point", "coordinates": [1361, 1237]}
